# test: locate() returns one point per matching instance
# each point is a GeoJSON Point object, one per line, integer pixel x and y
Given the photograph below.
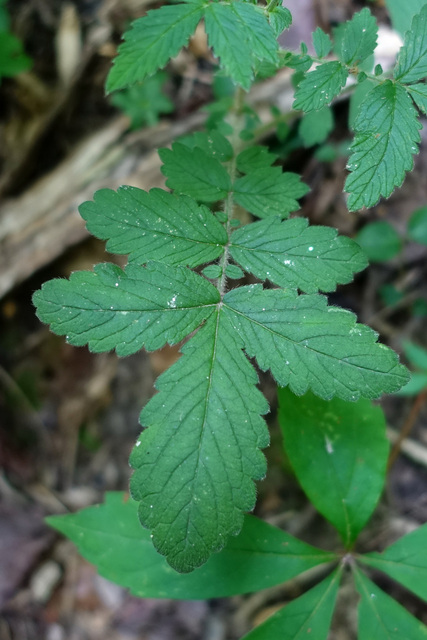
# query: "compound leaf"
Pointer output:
{"type": "Point", "coordinates": [109, 308]}
{"type": "Point", "coordinates": [339, 453]}
{"type": "Point", "coordinates": [320, 86]}
{"type": "Point", "coordinates": [228, 37]}
{"type": "Point", "coordinates": [357, 38]}
{"type": "Point", "coordinates": [404, 561]}
{"type": "Point", "coordinates": [381, 617]}
{"type": "Point", "coordinates": [292, 254]}
{"type": "Point", "coordinates": [412, 60]}
{"type": "Point", "coordinates": [154, 226]}
{"type": "Point", "coordinates": [387, 137]}
{"type": "Point", "coordinates": [195, 173]}
{"type": "Point", "coordinates": [269, 192]}
{"type": "Point", "coordinates": [195, 463]}
{"type": "Point", "coordinates": [308, 616]}
{"type": "Point", "coordinates": [151, 42]}
{"type": "Point", "coordinates": [110, 537]}
{"type": "Point", "coordinates": [307, 344]}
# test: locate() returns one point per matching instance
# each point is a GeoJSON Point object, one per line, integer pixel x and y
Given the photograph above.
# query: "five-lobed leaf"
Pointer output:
{"type": "Point", "coordinates": [109, 308]}
{"type": "Point", "coordinates": [292, 254]}
{"type": "Point", "coordinates": [381, 617]}
{"type": "Point", "coordinates": [339, 453]}
{"type": "Point", "coordinates": [404, 561]}
{"type": "Point", "coordinates": [308, 616]}
{"type": "Point", "coordinates": [152, 41]}
{"type": "Point", "coordinates": [387, 137]}
{"type": "Point", "coordinates": [196, 461]}
{"type": "Point", "coordinates": [412, 60]}
{"type": "Point", "coordinates": [154, 226]}
{"type": "Point", "coordinates": [308, 345]}
{"type": "Point", "coordinates": [110, 537]}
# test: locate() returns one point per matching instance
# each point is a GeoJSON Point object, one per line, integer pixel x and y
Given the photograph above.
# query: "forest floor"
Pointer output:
{"type": "Point", "coordinates": [69, 418]}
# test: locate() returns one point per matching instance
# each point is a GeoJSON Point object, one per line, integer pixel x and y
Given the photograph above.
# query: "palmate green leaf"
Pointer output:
{"type": "Point", "coordinates": [152, 41]}
{"type": "Point", "coordinates": [387, 137]}
{"type": "Point", "coordinates": [109, 308]}
{"type": "Point", "coordinates": [320, 86]}
{"type": "Point", "coordinates": [239, 35]}
{"type": "Point", "coordinates": [356, 39]}
{"type": "Point", "coordinates": [339, 453]}
{"type": "Point", "coordinates": [269, 192]}
{"type": "Point", "coordinates": [195, 463]}
{"type": "Point", "coordinates": [292, 254]}
{"type": "Point", "coordinates": [154, 226]}
{"type": "Point", "coordinates": [404, 561]}
{"type": "Point", "coordinates": [195, 173]}
{"type": "Point", "coordinates": [381, 617]}
{"type": "Point", "coordinates": [308, 616]}
{"type": "Point", "coordinates": [110, 537]}
{"type": "Point", "coordinates": [307, 344]}
{"type": "Point", "coordinates": [412, 59]}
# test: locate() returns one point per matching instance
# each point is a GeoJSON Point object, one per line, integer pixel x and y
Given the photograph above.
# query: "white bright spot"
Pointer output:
{"type": "Point", "coordinates": [329, 446]}
{"type": "Point", "coordinates": [310, 248]}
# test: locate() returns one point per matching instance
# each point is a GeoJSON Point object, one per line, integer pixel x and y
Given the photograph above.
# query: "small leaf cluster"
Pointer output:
{"type": "Point", "coordinates": [386, 126]}
{"type": "Point", "coordinates": [339, 453]}
{"type": "Point", "coordinates": [12, 57]}
{"type": "Point", "coordinates": [200, 451]}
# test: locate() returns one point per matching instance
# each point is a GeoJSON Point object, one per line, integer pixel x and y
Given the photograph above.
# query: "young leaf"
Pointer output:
{"type": "Point", "coordinates": [254, 158]}
{"type": "Point", "coordinates": [228, 37]}
{"type": "Point", "coordinates": [260, 556]}
{"type": "Point", "coordinates": [292, 254]}
{"type": "Point", "coordinates": [307, 344]}
{"type": "Point", "coordinates": [339, 453]}
{"type": "Point", "coordinates": [356, 38]}
{"type": "Point", "coordinates": [109, 308]}
{"type": "Point", "coordinates": [404, 561]}
{"type": "Point", "coordinates": [152, 41]}
{"type": "Point", "coordinates": [280, 19]}
{"type": "Point", "coordinates": [316, 126]}
{"type": "Point", "coordinates": [417, 226]}
{"type": "Point", "coordinates": [322, 43]}
{"type": "Point", "coordinates": [309, 616]}
{"type": "Point", "coordinates": [380, 241]}
{"type": "Point", "coordinates": [194, 481]}
{"type": "Point", "coordinates": [195, 173]}
{"type": "Point", "coordinates": [154, 226]}
{"type": "Point", "coordinates": [143, 103]}
{"type": "Point", "coordinates": [387, 137]}
{"type": "Point", "coordinates": [412, 61]}
{"type": "Point", "coordinates": [269, 192]}
{"type": "Point", "coordinates": [320, 86]}
{"type": "Point", "coordinates": [381, 617]}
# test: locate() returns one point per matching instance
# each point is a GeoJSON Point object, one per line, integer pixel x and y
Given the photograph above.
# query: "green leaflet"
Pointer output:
{"type": "Point", "coordinates": [195, 463]}
{"type": "Point", "coordinates": [145, 102]}
{"type": "Point", "coordinates": [322, 43]}
{"type": "Point", "coordinates": [151, 42]}
{"type": "Point", "coordinates": [387, 136]}
{"type": "Point", "coordinates": [401, 13]}
{"type": "Point", "coordinates": [260, 556]}
{"type": "Point", "coordinates": [292, 254]}
{"type": "Point", "coordinates": [280, 19]}
{"type": "Point", "coordinates": [381, 617]}
{"type": "Point", "coordinates": [309, 616]}
{"type": "Point", "coordinates": [254, 158]}
{"type": "Point", "coordinates": [412, 60]}
{"type": "Point", "coordinates": [316, 126]}
{"type": "Point", "coordinates": [356, 39]}
{"type": "Point", "coordinates": [339, 453]}
{"type": "Point", "coordinates": [154, 226]}
{"type": "Point", "coordinates": [379, 240]}
{"type": "Point", "coordinates": [212, 142]}
{"type": "Point", "coordinates": [262, 39]}
{"type": "Point", "coordinates": [404, 561]}
{"type": "Point", "coordinates": [269, 192]}
{"type": "Point", "coordinates": [307, 344]}
{"type": "Point", "coordinates": [195, 173]}
{"type": "Point", "coordinates": [320, 86]}
{"type": "Point", "coordinates": [418, 93]}
{"type": "Point", "coordinates": [125, 310]}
